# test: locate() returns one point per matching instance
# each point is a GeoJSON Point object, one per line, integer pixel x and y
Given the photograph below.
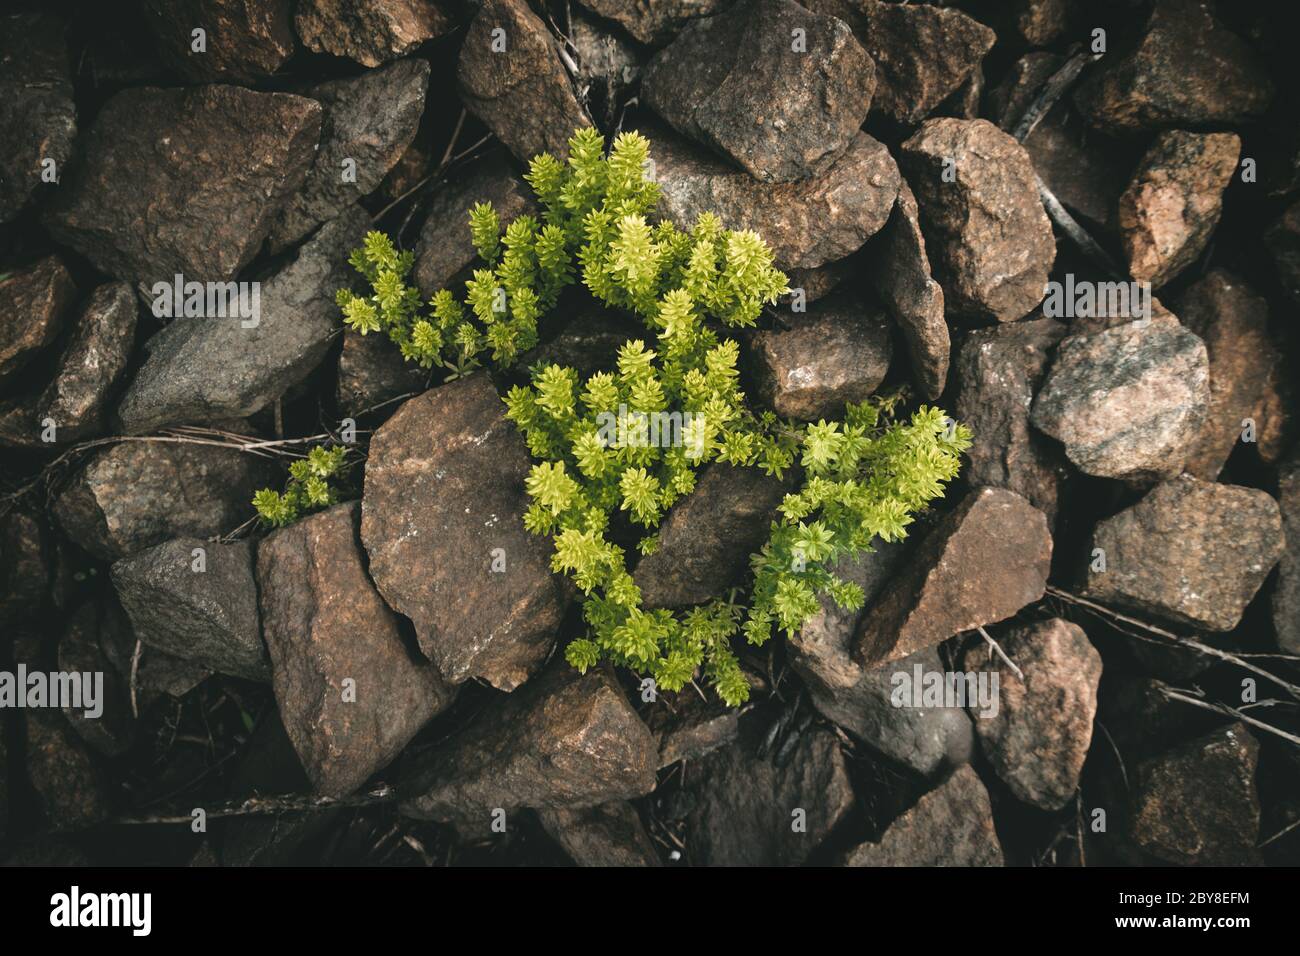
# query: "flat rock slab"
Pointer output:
{"type": "Point", "coordinates": [246, 40]}
{"type": "Point", "coordinates": [34, 305]}
{"type": "Point", "coordinates": [608, 835]}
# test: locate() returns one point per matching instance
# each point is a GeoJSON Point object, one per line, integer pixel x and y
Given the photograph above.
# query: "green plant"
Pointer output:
{"type": "Point", "coordinates": [859, 478]}
{"type": "Point", "coordinates": [308, 488]}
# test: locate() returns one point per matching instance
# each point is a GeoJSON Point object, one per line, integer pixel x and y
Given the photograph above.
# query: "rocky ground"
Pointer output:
{"type": "Point", "coordinates": [1122, 550]}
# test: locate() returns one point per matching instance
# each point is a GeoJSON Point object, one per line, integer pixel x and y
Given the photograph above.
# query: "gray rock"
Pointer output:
{"type": "Point", "coordinates": [372, 371]}
{"type": "Point", "coordinates": [369, 31]}
{"type": "Point", "coordinates": [608, 835]}
{"type": "Point", "coordinates": [247, 40]}
{"type": "Point", "coordinates": [34, 305]}
{"type": "Point", "coordinates": [655, 21]}
{"type": "Point", "coordinates": [1286, 596]}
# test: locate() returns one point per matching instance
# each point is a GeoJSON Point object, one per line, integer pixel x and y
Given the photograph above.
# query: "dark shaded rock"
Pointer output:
{"type": "Point", "coordinates": [608, 835]}
{"type": "Point", "coordinates": [26, 553]}
{"type": "Point", "coordinates": [1191, 551]}
{"type": "Point", "coordinates": [990, 240]}
{"type": "Point", "coordinates": [246, 40]}
{"type": "Point", "coordinates": [19, 427]}
{"type": "Point", "coordinates": [590, 340]}
{"type": "Point", "coordinates": [1039, 22]}
{"type": "Point", "coordinates": [47, 851]}
{"type": "Point", "coordinates": [1142, 721]}
{"type": "Point", "coordinates": [608, 65]}
{"type": "Point", "coordinates": [951, 825]}
{"type": "Point", "coordinates": [444, 492]}
{"type": "Point", "coordinates": [112, 731]}
{"type": "Point", "coordinates": [157, 673]}
{"type": "Point", "coordinates": [1283, 242]}
{"type": "Point", "coordinates": [4, 788]}
{"type": "Point", "coordinates": [1274, 420]}
{"type": "Point", "coordinates": [982, 563]}
{"type": "Point", "coordinates": [372, 371]}
{"type": "Point", "coordinates": [688, 727]}
{"type": "Point", "coordinates": [1286, 595]}
{"type": "Point", "coordinates": [821, 281]}
{"type": "Point", "coordinates": [69, 789]}
{"type": "Point", "coordinates": [655, 21]}
{"type": "Point", "coordinates": [185, 181]}
{"type": "Point", "coordinates": [369, 31]}
{"type": "Point", "coordinates": [205, 616]}
{"type": "Point", "coordinates": [33, 306]}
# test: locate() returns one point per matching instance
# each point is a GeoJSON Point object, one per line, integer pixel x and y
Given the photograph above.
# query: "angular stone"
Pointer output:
{"type": "Point", "coordinates": [19, 426]}
{"type": "Point", "coordinates": [990, 240]}
{"type": "Point", "coordinates": [736, 83]}
{"type": "Point", "coordinates": [184, 181]}
{"type": "Point", "coordinates": [372, 371]}
{"type": "Point", "coordinates": [112, 730]}
{"type": "Point", "coordinates": [443, 497]}
{"type": "Point", "coordinates": [1286, 595]}
{"type": "Point", "coordinates": [608, 835]}
{"type": "Point", "coordinates": [1191, 551]}
{"type": "Point", "coordinates": [33, 307]}
{"type": "Point", "coordinates": [982, 563]}
{"type": "Point", "coordinates": [369, 31]}
{"type": "Point", "coordinates": [821, 281]}
{"type": "Point", "coordinates": [1127, 402]}
{"type": "Point", "coordinates": [1039, 22]}
{"type": "Point", "coordinates": [654, 22]}
{"type": "Point", "coordinates": [1171, 206]}
{"type": "Point", "coordinates": [210, 369]}
{"type": "Point", "coordinates": [70, 790]}
{"type": "Point", "coordinates": [205, 616]}
{"type": "Point", "coordinates": [247, 40]}
{"type": "Point", "coordinates": [1283, 242]}
{"type": "Point", "coordinates": [692, 728]}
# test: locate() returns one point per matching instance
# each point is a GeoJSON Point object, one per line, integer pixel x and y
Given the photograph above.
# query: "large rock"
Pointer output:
{"type": "Point", "coordinates": [991, 241]}
{"type": "Point", "coordinates": [372, 371]}
{"type": "Point", "coordinates": [739, 84]}
{"type": "Point", "coordinates": [245, 40]}
{"type": "Point", "coordinates": [1191, 551]}
{"type": "Point", "coordinates": [444, 492]}
{"type": "Point", "coordinates": [184, 181]}
{"type": "Point", "coordinates": [608, 835]}
{"type": "Point", "coordinates": [350, 692]}
{"type": "Point", "coordinates": [654, 21]}
{"type": "Point", "coordinates": [1286, 596]}
{"type": "Point", "coordinates": [369, 31]}
{"type": "Point", "coordinates": [33, 307]}
{"type": "Point", "coordinates": [982, 563]}
{"type": "Point", "coordinates": [1129, 401]}
{"type": "Point", "coordinates": [196, 600]}
{"type": "Point", "coordinates": [210, 369]}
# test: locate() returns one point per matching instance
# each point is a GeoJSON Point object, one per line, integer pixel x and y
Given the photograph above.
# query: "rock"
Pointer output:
{"type": "Point", "coordinates": [136, 494]}
{"type": "Point", "coordinates": [112, 731]}
{"type": "Point", "coordinates": [1191, 551]}
{"type": "Point", "coordinates": [1286, 595]}
{"type": "Point", "coordinates": [369, 31]}
{"type": "Point", "coordinates": [246, 40]}
{"type": "Point", "coordinates": [1142, 721]}
{"type": "Point", "coordinates": [184, 181]}
{"type": "Point", "coordinates": [69, 789]}
{"type": "Point", "coordinates": [692, 727]}
{"type": "Point", "coordinates": [33, 306]}
{"type": "Point", "coordinates": [1038, 739]}
{"type": "Point", "coordinates": [608, 65]}
{"type": "Point", "coordinates": [1197, 805]}
{"type": "Point", "coordinates": [780, 110]}
{"type": "Point", "coordinates": [201, 607]}
{"type": "Point", "coordinates": [923, 52]}
{"type": "Point", "coordinates": [981, 564]}
{"type": "Point", "coordinates": [951, 825]}
{"type": "Point", "coordinates": [1040, 22]}
{"type": "Point", "coordinates": [998, 371]}
{"type": "Point", "coordinates": [261, 357]}
{"type": "Point", "coordinates": [564, 742]}
{"type": "Point", "coordinates": [589, 341]}
{"type": "Point", "coordinates": [1187, 70]}
{"type": "Point", "coordinates": [157, 673]}
{"type": "Point", "coordinates": [990, 240]}
{"type": "Point", "coordinates": [38, 116]}
{"type": "Point", "coordinates": [1171, 206]}
{"type": "Point", "coordinates": [806, 224]}
{"type": "Point", "coordinates": [1233, 322]}
{"type": "Point", "coordinates": [350, 693]}
{"type": "Point", "coordinates": [706, 538]}
{"type": "Point", "coordinates": [836, 352]}
{"type": "Point", "coordinates": [19, 427]}
{"type": "Point", "coordinates": [1283, 242]}
{"type": "Point", "coordinates": [26, 554]}
{"type": "Point", "coordinates": [368, 121]}
{"type": "Point", "coordinates": [443, 495]}
{"type": "Point", "coordinates": [96, 355]}
{"type": "Point", "coordinates": [1274, 421]}
{"type": "Point", "coordinates": [522, 93]}
{"type": "Point", "coordinates": [901, 276]}
{"type": "Point", "coordinates": [1127, 402]}
{"type": "Point", "coordinates": [372, 371]}
{"type": "Point", "coordinates": [821, 281]}
{"type": "Point", "coordinates": [607, 835]}
{"type": "Point", "coordinates": [655, 22]}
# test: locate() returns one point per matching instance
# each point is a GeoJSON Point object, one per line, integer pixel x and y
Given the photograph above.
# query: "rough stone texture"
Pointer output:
{"type": "Point", "coordinates": [1191, 551]}
{"type": "Point", "coordinates": [370, 120]}
{"type": "Point", "coordinates": [372, 371]}
{"type": "Point", "coordinates": [706, 539]}
{"type": "Point", "coordinates": [158, 674]}
{"type": "Point", "coordinates": [735, 83]}
{"type": "Point", "coordinates": [136, 494]}
{"type": "Point", "coordinates": [998, 371]}
{"type": "Point", "coordinates": [608, 65]}
{"type": "Point", "coordinates": [1142, 721]}
{"type": "Point", "coordinates": [1039, 22]}
{"type": "Point", "coordinates": [1127, 402]}
{"type": "Point", "coordinates": [184, 180]}
{"type": "Point", "coordinates": [69, 788]}
{"type": "Point", "coordinates": [102, 336]}
{"type": "Point", "coordinates": [564, 742]}
{"type": "Point", "coordinates": [18, 422]}
{"type": "Point", "coordinates": [836, 352]}
{"type": "Point", "coordinates": [590, 339]}
{"type": "Point", "coordinates": [1283, 242]}
{"type": "Point", "coordinates": [951, 825]}
{"type": "Point", "coordinates": [1286, 595]}
{"type": "Point", "coordinates": [655, 22]}
{"type": "Point", "coordinates": [208, 617]}
{"type": "Point", "coordinates": [1187, 70]}
{"type": "Point", "coordinates": [806, 224]}
{"type": "Point", "coordinates": [687, 726]}
{"type": "Point", "coordinates": [1274, 420]}
{"type": "Point", "coordinates": [1197, 805]}
{"type": "Point", "coordinates": [821, 281]}
{"type": "Point", "coordinates": [369, 31]}
{"type": "Point", "coordinates": [33, 306]}
{"type": "Point", "coordinates": [984, 561]}
{"type": "Point", "coordinates": [209, 369]}
{"type": "Point", "coordinates": [608, 835]}
{"type": "Point", "coordinates": [923, 52]}
{"type": "Point", "coordinates": [1171, 206]}
{"type": "Point", "coordinates": [900, 273]}
{"type": "Point", "coordinates": [26, 553]}
{"type": "Point", "coordinates": [521, 93]}
{"type": "Point", "coordinates": [991, 241]}
{"type": "Point", "coordinates": [247, 40]}
{"type": "Point", "coordinates": [326, 626]}
{"type": "Point", "coordinates": [444, 490]}
{"type": "Point", "coordinates": [38, 117]}
{"type": "Point", "coordinates": [1039, 738]}
{"type": "Point", "coordinates": [81, 652]}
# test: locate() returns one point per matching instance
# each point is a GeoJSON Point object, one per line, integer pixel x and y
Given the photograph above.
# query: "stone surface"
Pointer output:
{"type": "Point", "coordinates": [112, 731]}
{"type": "Point", "coordinates": [246, 40]}
{"type": "Point", "coordinates": [1191, 551]}
{"type": "Point", "coordinates": [1127, 402]}
{"type": "Point", "coordinates": [1171, 206]}
{"type": "Point", "coordinates": [688, 726]}
{"type": "Point", "coordinates": [444, 491]}
{"type": "Point", "coordinates": [655, 22]}
{"type": "Point", "coordinates": [34, 305]}
{"type": "Point", "coordinates": [982, 563]}
{"type": "Point", "coordinates": [608, 66]}
{"type": "Point", "coordinates": [184, 181]}
{"type": "Point", "coordinates": [1039, 22]}
{"type": "Point", "coordinates": [990, 240]}
{"type": "Point", "coordinates": [26, 554]}
{"type": "Point", "coordinates": [1286, 594]}
{"type": "Point", "coordinates": [608, 835]}
{"type": "Point", "coordinates": [372, 371]}
{"type": "Point", "coordinates": [369, 31]}
{"type": "Point", "coordinates": [69, 789]}
{"type": "Point", "coordinates": [1283, 242]}
{"type": "Point", "coordinates": [208, 617]}
{"type": "Point", "coordinates": [350, 692]}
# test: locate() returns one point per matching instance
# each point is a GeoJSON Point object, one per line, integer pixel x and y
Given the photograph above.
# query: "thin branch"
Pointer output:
{"type": "Point", "coordinates": [1053, 89]}
{"type": "Point", "coordinates": [1000, 652]}
{"type": "Point", "coordinates": [1171, 693]}
{"type": "Point", "coordinates": [270, 806]}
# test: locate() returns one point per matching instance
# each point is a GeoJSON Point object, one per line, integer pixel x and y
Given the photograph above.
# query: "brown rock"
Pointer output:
{"type": "Point", "coordinates": [1274, 421]}
{"type": "Point", "coordinates": [369, 31]}
{"type": "Point", "coordinates": [688, 726]}
{"type": "Point", "coordinates": [1286, 595]}
{"type": "Point", "coordinates": [1283, 242]}
{"type": "Point", "coordinates": [70, 790]}
{"type": "Point", "coordinates": [26, 553]}
{"type": "Point", "coordinates": [654, 21]}
{"type": "Point", "coordinates": [33, 306]}
{"type": "Point", "coordinates": [372, 371]}
{"type": "Point", "coordinates": [1039, 22]}
{"type": "Point", "coordinates": [111, 731]}
{"type": "Point", "coordinates": [246, 40]}
{"type": "Point", "coordinates": [608, 835]}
